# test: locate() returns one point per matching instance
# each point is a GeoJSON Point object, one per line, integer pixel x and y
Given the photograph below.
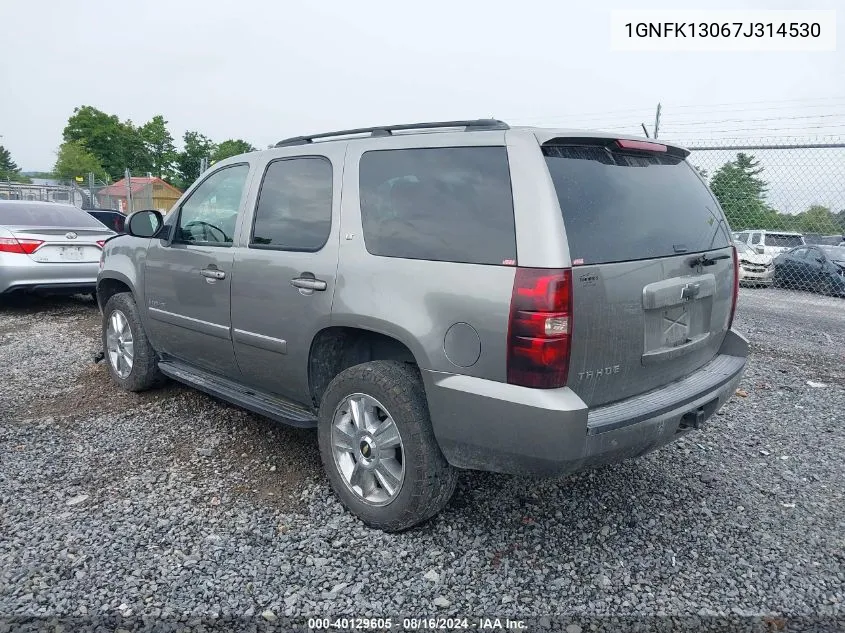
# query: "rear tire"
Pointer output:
{"type": "Point", "coordinates": [407, 480]}
{"type": "Point", "coordinates": [130, 358]}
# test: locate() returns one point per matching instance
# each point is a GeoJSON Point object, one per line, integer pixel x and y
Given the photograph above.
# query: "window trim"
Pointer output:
{"type": "Point", "coordinates": [178, 220]}
{"type": "Point", "coordinates": [272, 247]}
{"type": "Point", "coordinates": [428, 259]}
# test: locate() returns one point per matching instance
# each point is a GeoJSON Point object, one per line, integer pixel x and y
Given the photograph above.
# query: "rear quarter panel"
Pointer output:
{"type": "Point", "coordinates": [417, 301]}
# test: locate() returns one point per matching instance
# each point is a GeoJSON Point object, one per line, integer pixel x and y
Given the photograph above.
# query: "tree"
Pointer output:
{"type": "Point", "coordinates": [73, 159]}
{"type": "Point", "coordinates": [116, 145]}
{"type": "Point", "coordinates": [197, 147]}
{"type": "Point", "coordinates": [9, 169]}
{"type": "Point", "coordinates": [231, 147]}
{"type": "Point", "coordinates": [817, 219]}
{"type": "Point", "coordinates": [741, 192]}
{"type": "Point", "coordinates": [159, 146]}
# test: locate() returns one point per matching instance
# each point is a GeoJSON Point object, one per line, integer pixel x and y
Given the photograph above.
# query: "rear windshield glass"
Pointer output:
{"type": "Point", "coordinates": [46, 215]}
{"type": "Point", "coordinates": [621, 206]}
{"type": "Point", "coordinates": [785, 241]}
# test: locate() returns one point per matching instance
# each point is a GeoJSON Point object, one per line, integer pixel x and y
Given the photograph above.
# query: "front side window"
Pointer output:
{"type": "Point", "coordinates": [209, 215]}
{"type": "Point", "coordinates": [450, 204]}
{"type": "Point", "coordinates": [755, 238]}
{"type": "Point", "coordinates": [294, 210]}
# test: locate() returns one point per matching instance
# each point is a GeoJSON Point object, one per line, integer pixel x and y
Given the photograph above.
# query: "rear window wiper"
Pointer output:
{"type": "Point", "coordinates": [703, 260]}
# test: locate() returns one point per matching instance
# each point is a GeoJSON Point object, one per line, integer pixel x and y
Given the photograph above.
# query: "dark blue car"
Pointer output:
{"type": "Point", "coordinates": [817, 268]}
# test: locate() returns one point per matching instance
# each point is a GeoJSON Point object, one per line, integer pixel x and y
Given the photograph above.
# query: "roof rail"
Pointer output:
{"type": "Point", "coordinates": [387, 130]}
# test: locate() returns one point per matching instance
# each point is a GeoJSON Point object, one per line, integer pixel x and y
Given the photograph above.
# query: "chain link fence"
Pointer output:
{"type": "Point", "coordinates": [785, 204]}
{"type": "Point", "coordinates": [67, 194]}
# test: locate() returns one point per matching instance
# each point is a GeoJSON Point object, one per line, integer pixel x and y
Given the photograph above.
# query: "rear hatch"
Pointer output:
{"type": "Point", "coordinates": [652, 265]}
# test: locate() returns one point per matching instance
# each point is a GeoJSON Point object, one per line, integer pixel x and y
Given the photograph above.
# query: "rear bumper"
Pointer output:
{"type": "Point", "coordinates": [486, 425]}
{"type": "Point", "coordinates": [19, 272]}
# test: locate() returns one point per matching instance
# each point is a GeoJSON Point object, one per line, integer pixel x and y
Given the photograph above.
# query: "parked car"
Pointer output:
{"type": "Point", "coordinates": [115, 220]}
{"type": "Point", "coordinates": [754, 269]}
{"type": "Point", "coordinates": [49, 247]}
{"type": "Point", "coordinates": [817, 268]}
{"type": "Point", "coordinates": [822, 240]}
{"type": "Point", "coordinates": [771, 243]}
{"type": "Point", "coordinates": [514, 300]}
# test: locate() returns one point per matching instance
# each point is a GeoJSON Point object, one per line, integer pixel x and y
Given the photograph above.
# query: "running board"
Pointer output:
{"type": "Point", "coordinates": [271, 406]}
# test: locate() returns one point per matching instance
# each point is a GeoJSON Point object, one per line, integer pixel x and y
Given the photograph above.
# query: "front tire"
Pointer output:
{"type": "Point", "coordinates": [130, 358]}
{"type": "Point", "coordinates": [378, 446]}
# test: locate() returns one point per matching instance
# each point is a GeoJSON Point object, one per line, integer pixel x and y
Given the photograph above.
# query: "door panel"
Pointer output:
{"type": "Point", "coordinates": [189, 313]}
{"type": "Point", "coordinates": [188, 280]}
{"type": "Point", "coordinates": [292, 237]}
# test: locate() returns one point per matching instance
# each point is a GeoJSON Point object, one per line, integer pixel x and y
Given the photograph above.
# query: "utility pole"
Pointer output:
{"type": "Point", "coordinates": [128, 192]}
{"type": "Point", "coordinates": [657, 120]}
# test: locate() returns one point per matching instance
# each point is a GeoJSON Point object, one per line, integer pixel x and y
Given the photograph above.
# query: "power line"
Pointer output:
{"type": "Point", "coordinates": [773, 128]}
{"type": "Point", "coordinates": [647, 111]}
{"type": "Point", "coordinates": [779, 118]}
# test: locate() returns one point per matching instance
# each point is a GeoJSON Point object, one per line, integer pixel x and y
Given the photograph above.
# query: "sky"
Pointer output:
{"type": "Point", "coordinates": [263, 71]}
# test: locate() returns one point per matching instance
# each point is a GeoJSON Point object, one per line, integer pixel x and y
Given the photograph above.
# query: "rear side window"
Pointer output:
{"type": "Point", "coordinates": [294, 211]}
{"type": "Point", "coordinates": [46, 215]}
{"type": "Point", "coordinates": [450, 204]}
{"type": "Point", "coordinates": [784, 241]}
{"type": "Point", "coordinates": [621, 206]}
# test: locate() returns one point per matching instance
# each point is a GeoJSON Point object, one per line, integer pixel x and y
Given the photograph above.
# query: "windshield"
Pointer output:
{"type": "Point", "coordinates": [836, 253]}
{"type": "Point", "coordinates": [46, 215]}
{"type": "Point", "coordinates": [783, 240]}
{"type": "Point", "coordinates": [622, 206]}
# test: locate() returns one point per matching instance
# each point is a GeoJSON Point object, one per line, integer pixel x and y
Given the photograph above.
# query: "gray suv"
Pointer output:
{"type": "Point", "coordinates": [438, 296]}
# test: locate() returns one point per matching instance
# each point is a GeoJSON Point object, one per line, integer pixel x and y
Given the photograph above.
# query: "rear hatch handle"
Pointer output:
{"type": "Point", "coordinates": [703, 260]}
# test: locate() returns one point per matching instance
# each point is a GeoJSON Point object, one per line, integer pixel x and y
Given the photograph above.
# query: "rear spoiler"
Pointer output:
{"type": "Point", "coordinates": [626, 144]}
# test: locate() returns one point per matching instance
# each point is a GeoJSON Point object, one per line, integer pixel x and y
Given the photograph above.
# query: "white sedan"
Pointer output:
{"type": "Point", "coordinates": [754, 269]}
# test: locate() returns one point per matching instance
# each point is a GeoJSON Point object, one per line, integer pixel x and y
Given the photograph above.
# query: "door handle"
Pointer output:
{"type": "Point", "coordinates": [213, 273]}
{"type": "Point", "coordinates": [308, 283]}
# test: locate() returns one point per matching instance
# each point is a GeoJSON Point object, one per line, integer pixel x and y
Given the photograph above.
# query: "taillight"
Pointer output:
{"type": "Point", "coordinates": [101, 243]}
{"type": "Point", "coordinates": [645, 146]}
{"type": "Point", "coordinates": [735, 288]}
{"type": "Point", "coordinates": [23, 247]}
{"type": "Point", "coordinates": [540, 328]}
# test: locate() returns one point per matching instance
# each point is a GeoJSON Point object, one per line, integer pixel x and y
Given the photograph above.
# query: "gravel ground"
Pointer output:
{"type": "Point", "coordinates": [172, 505]}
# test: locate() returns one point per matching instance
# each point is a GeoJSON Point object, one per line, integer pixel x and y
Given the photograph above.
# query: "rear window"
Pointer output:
{"type": "Point", "coordinates": [784, 241]}
{"type": "Point", "coordinates": [621, 206]}
{"type": "Point", "coordinates": [46, 215]}
{"type": "Point", "coordinates": [449, 204]}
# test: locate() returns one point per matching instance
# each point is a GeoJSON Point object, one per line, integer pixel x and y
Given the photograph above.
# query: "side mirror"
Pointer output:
{"type": "Point", "coordinates": [144, 223]}
{"type": "Point", "coordinates": [760, 250]}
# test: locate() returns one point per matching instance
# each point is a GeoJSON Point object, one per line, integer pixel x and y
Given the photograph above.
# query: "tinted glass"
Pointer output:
{"type": "Point", "coordinates": [294, 209]}
{"type": "Point", "coordinates": [620, 206]}
{"type": "Point", "coordinates": [743, 237]}
{"type": "Point", "coordinates": [46, 215]}
{"type": "Point", "coordinates": [448, 204]}
{"type": "Point", "coordinates": [755, 238]}
{"type": "Point", "coordinates": [785, 241]}
{"type": "Point", "coordinates": [208, 216]}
